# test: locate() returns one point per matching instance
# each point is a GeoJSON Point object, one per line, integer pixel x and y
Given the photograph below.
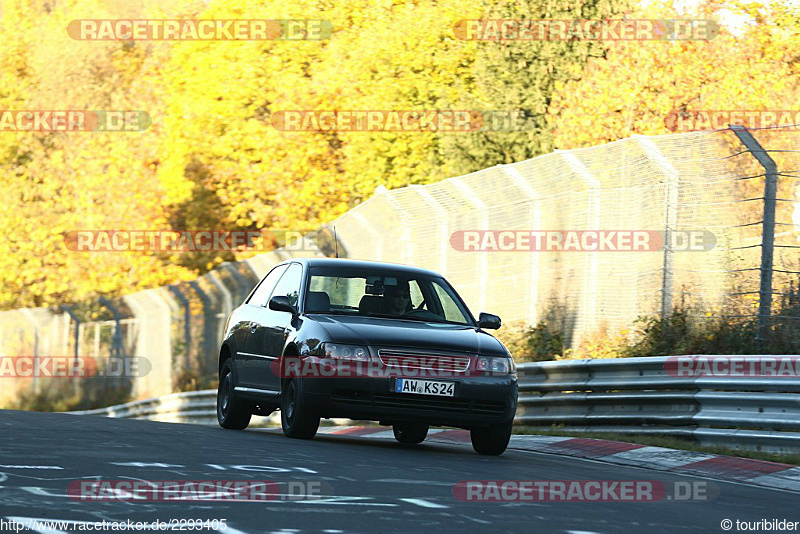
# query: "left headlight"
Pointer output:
{"type": "Point", "coordinates": [495, 364]}
{"type": "Point", "coordinates": [346, 352]}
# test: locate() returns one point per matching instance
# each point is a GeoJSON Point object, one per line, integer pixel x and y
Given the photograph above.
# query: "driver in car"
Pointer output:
{"type": "Point", "coordinates": [398, 299]}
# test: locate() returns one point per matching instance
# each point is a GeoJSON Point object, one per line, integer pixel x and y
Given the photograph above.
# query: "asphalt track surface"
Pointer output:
{"type": "Point", "coordinates": [372, 485]}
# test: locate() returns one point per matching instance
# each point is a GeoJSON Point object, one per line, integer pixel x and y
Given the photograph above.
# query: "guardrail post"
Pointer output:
{"type": "Point", "coordinates": [768, 230]}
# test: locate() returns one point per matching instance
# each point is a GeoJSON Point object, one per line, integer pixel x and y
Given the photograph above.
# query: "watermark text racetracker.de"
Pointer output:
{"type": "Point", "coordinates": [733, 366]}
{"type": "Point", "coordinates": [387, 367]}
{"type": "Point", "coordinates": [436, 120]}
{"type": "Point", "coordinates": [73, 367]}
{"type": "Point", "coordinates": [585, 30]}
{"type": "Point", "coordinates": [27, 524]}
{"type": "Point", "coordinates": [696, 120]}
{"type": "Point", "coordinates": [75, 120]}
{"type": "Point", "coordinates": [199, 29]}
{"type": "Point", "coordinates": [580, 240]}
{"type": "Point", "coordinates": [197, 490]}
{"type": "Point", "coordinates": [584, 491]}
{"type": "Point", "coordinates": [186, 240]}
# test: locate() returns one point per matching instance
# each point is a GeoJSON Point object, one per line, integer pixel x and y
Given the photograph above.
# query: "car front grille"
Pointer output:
{"type": "Point", "coordinates": [413, 360]}
{"type": "Point", "coordinates": [434, 404]}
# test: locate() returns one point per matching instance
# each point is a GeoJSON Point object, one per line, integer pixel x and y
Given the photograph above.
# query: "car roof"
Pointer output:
{"type": "Point", "coordinates": [361, 264]}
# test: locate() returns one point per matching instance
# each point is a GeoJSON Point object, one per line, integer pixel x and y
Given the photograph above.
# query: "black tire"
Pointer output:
{"type": "Point", "coordinates": [410, 433]}
{"type": "Point", "coordinates": [491, 440]}
{"type": "Point", "coordinates": [232, 412]}
{"type": "Point", "coordinates": [296, 421]}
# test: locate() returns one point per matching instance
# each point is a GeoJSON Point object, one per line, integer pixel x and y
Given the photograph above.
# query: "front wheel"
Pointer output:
{"type": "Point", "coordinates": [232, 412]}
{"type": "Point", "coordinates": [411, 433]}
{"type": "Point", "coordinates": [491, 440]}
{"type": "Point", "coordinates": [296, 420]}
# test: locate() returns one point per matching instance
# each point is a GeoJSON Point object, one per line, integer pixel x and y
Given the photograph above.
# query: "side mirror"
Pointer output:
{"type": "Point", "coordinates": [489, 321]}
{"type": "Point", "coordinates": [282, 304]}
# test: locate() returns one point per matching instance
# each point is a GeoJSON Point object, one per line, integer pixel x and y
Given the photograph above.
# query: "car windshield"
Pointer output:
{"type": "Point", "coordinates": [387, 293]}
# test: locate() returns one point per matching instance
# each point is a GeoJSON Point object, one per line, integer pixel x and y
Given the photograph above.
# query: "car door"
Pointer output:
{"type": "Point", "coordinates": [270, 335]}
{"type": "Point", "coordinates": [247, 320]}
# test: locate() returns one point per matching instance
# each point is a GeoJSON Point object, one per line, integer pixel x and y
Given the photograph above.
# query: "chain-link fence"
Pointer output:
{"type": "Point", "coordinates": [673, 186]}
{"type": "Point", "coordinates": [696, 184]}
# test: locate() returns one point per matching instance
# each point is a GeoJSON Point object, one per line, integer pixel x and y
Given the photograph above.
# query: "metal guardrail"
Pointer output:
{"type": "Point", "coordinates": [638, 396]}
{"type": "Point", "coordinates": [197, 407]}
{"type": "Point", "coordinates": [624, 396]}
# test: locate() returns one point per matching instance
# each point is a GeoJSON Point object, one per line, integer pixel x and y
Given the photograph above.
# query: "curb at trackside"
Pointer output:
{"type": "Point", "coordinates": [731, 468]}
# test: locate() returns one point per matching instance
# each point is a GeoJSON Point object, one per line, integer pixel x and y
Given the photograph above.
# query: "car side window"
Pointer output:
{"type": "Point", "coordinates": [416, 295]}
{"type": "Point", "coordinates": [289, 284]}
{"type": "Point", "coordinates": [264, 289]}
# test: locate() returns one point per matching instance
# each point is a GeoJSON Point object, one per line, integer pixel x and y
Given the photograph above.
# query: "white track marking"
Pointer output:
{"type": "Point", "coordinates": [424, 503]}
{"type": "Point", "coordinates": [357, 501]}
{"type": "Point", "coordinates": [30, 467]}
{"type": "Point", "coordinates": [140, 464]}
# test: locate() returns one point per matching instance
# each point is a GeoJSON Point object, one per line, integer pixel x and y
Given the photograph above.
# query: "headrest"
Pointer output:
{"type": "Point", "coordinates": [318, 301]}
{"type": "Point", "coordinates": [370, 304]}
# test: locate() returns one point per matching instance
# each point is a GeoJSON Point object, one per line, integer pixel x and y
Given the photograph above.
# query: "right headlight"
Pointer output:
{"type": "Point", "coordinates": [346, 352]}
{"type": "Point", "coordinates": [495, 364]}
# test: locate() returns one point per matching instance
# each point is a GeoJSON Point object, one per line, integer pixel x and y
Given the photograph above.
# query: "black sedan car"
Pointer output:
{"type": "Point", "coordinates": [322, 338]}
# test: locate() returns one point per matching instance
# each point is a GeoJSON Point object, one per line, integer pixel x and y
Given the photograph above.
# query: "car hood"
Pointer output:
{"type": "Point", "coordinates": [380, 332]}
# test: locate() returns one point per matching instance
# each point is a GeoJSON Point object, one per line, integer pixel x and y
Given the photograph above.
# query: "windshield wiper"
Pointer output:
{"type": "Point", "coordinates": [415, 319]}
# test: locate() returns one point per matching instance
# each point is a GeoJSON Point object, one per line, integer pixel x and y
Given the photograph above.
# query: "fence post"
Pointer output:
{"type": "Point", "coordinates": [117, 346]}
{"type": "Point", "coordinates": [441, 217]}
{"type": "Point", "coordinates": [377, 237]}
{"type": "Point", "coordinates": [590, 280]}
{"type": "Point", "coordinates": [480, 205]}
{"type": "Point", "coordinates": [209, 350]}
{"type": "Point", "coordinates": [670, 217]}
{"type": "Point", "coordinates": [531, 316]}
{"type": "Point", "coordinates": [768, 227]}
{"type": "Point", "coordinates": [187, 320]}
{"type": "Point", "coordinates": [36, 330]}
{"type": "Point", "coordinates": [75, 318]}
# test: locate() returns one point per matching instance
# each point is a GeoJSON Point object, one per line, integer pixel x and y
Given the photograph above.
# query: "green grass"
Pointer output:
{"type": "Point", "coordinates": [669, 442]}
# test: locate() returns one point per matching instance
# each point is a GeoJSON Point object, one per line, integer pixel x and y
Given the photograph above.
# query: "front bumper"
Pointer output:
{"type": "Point", "coordinates": [478, 401]}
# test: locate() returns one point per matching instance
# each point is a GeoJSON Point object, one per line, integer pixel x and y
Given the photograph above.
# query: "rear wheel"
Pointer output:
{"type": "Point", "coordinates": [232, 412]}
{"type": "Point", "coordinates": [412, 433]}
{"type": "Point", "coordinates": [296, 420]}
{"type": "Point", "coordinates": [491, 440]}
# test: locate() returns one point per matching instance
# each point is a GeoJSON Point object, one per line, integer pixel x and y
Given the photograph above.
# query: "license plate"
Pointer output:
{"type": "Point", "coordinates": [425, 387]}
